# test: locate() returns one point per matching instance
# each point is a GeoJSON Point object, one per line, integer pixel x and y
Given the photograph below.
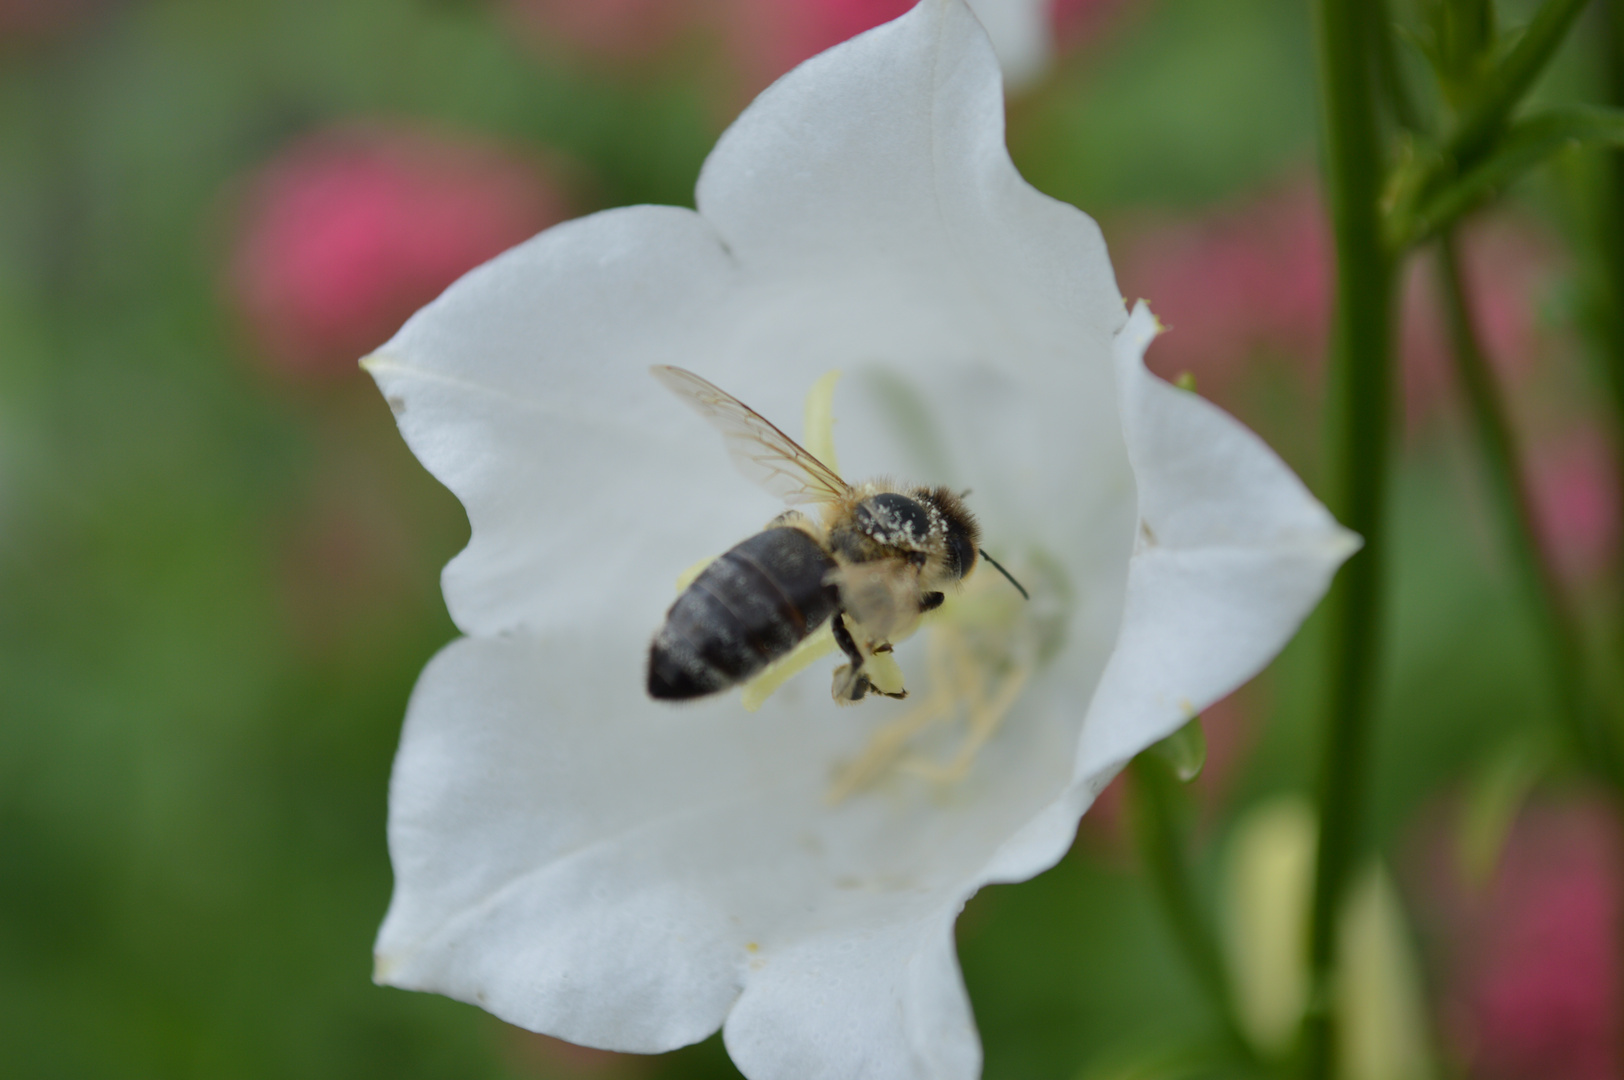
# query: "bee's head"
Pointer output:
{"type": "Point", "coordinates": [930, 524]}
{"type": "Point", "coordinates": [895, 520]}
{"type": "Point", "coordinates": [955, 534]}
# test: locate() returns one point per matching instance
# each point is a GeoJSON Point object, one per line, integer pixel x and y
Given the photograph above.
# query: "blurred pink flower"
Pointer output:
{"type": "Point", "coordinates": [767, 38]}
{"type": "Point", "coordinates": [771, 36]}
{"type": "Point", "coordinates": [1543, 988]}
{"type": "Point", "coordinates": [1508, 266]}
{"type": "Point", "coordinates": [1246, 279]}
{"type": "Point", "coordinates": [351, 230]}
{"type": "Point", "coordinates": [1574, 483]}
{"type": "Point", "coordinates": [1254, 278]}
{"type": "Point", "coordinates": [622, 30]}
{"type": "Point", "coordinates": [1531, 988]}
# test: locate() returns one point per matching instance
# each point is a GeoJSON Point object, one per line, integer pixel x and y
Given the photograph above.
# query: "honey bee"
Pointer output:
{"type": "Point", "coordinates": [875, 560]}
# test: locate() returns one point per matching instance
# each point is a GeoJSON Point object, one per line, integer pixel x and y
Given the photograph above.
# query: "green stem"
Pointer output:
{"type": "Point", "coordinates": [1606, 301]}
{"type": "Point", "coordinates": [1541, 591]}
{"type": "Point", "coordinates": [1607, 304]}
{"type": "Point", "coordinates": [1358, 425]}
{"type": "Point", "coordinates": [1503, 88]}
{"type": "Point", "coordinates": [1154, 793]}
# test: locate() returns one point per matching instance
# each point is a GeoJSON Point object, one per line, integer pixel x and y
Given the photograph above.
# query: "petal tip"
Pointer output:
{"type": "Point", "coordinates": [384, 969]}
{"type": "Point", "coordinates": [1137, 333]}
{"type": "Point", "coordinates": [380, 363]}
{"type": "Point", "coordinates": [1343, 545]}
{"type": "Point", "coordinates": [1141, 311]}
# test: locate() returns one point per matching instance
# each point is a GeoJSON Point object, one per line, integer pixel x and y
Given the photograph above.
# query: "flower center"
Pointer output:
{"type": "Point", "coordinates": [982, 645]}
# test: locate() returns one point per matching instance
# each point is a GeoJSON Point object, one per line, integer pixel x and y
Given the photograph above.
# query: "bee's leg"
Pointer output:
{"type": "Point", "coordinates": [850, 686]}
{"type": "Point", "coordinates": [847, 643]}
{"type": "Point", "coordinates": [850, 682]}
{"type": "Point", "coordinates": [931, 601]}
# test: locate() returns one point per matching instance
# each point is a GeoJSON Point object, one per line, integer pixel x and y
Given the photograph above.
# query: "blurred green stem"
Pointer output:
{"type": "Point", "coordinates": [1155, 795]}
{"type": "Point", "coordinates": [1607, 305]}
{"type": "Point", "coordinates": [1504, 87]}
{"type": "Point", "coordinates": [1541, 591]}
{"type": "Point", "coordinates": [1358, 422]}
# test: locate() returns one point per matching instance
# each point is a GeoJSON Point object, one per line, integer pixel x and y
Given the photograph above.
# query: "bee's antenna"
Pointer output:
{"type": "Point", "coordinates": [1024, 594]}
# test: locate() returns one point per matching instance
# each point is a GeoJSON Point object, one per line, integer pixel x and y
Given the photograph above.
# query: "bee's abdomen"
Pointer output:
{"type": "Point", "coordinates": [748, 608]}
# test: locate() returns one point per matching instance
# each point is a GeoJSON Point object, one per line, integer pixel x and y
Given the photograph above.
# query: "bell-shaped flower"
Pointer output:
{"type": "Point", "coordinates": [626, 873]}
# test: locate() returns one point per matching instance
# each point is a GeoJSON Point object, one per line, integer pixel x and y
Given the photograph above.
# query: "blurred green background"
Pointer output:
{"type": "Point", "coordinates": [219, 563]}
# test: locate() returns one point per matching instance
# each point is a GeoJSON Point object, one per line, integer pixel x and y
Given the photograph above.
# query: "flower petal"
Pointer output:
{"type": "Point", "coordinates": [889, 1003]}
{"type": "Point", "coordinates": [873, 186]}
{"type": "Point", "coordinates": [1021, 34]}
{"type": "Point", "coordinates": [570, 923]}
{"type": "Point", "coordinates": [1045, 839]}
{"type": "Point", "coordinates": [863, 214]}
{"type": "Point", "coordinates": [526, 384]}
{"type": "Point", "coordinates": [583, 862]}
{"type": "Point", "coordinates": [1233, 554]}
{"type": "Point", "coordinates": [885, 158]}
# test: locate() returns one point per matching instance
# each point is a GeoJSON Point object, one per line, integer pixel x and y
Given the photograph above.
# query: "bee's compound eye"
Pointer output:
{"type": "Point", "coordinates": [893, 519]}
{"type": "Point", "coordinates": [961, 552]}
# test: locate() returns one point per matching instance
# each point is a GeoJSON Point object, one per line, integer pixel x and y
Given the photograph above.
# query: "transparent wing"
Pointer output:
{"type": "Point", "coordinates": [759, 450]}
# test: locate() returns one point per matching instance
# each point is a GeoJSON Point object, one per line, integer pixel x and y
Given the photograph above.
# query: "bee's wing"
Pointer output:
{"type": "Point", "coordinates": [759, 450]}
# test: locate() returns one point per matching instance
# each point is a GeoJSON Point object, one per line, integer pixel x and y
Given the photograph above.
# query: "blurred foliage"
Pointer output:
{"type": "Point", "coordinates": [1190, 101]}
{"type": "Point", "coordinates": [218, 583]}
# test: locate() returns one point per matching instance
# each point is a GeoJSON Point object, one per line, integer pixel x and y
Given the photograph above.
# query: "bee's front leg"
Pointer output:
{"type": "Point", "coordinates": [850, 682]}
{"type": "Point", "coordinates": [847, 643]}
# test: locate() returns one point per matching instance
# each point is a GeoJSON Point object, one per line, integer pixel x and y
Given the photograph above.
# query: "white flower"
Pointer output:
{"type": "Point", "coordinates": [1022, 36]}
{"type": "Point", "coordinates": [586, 862]}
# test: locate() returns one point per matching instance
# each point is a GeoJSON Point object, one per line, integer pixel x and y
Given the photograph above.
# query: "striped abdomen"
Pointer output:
{"type": "Point", "coordinates": [748, 608]}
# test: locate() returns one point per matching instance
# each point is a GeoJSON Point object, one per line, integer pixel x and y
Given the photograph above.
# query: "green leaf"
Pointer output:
{"type": "Point", "coordinates": [1185, 750]}
{"type": "Point", "coordinates": [1525, 144]}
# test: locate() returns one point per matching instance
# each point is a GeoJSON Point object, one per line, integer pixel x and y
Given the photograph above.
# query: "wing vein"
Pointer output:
{"type": "Point", "coordinates": [758, 448]}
